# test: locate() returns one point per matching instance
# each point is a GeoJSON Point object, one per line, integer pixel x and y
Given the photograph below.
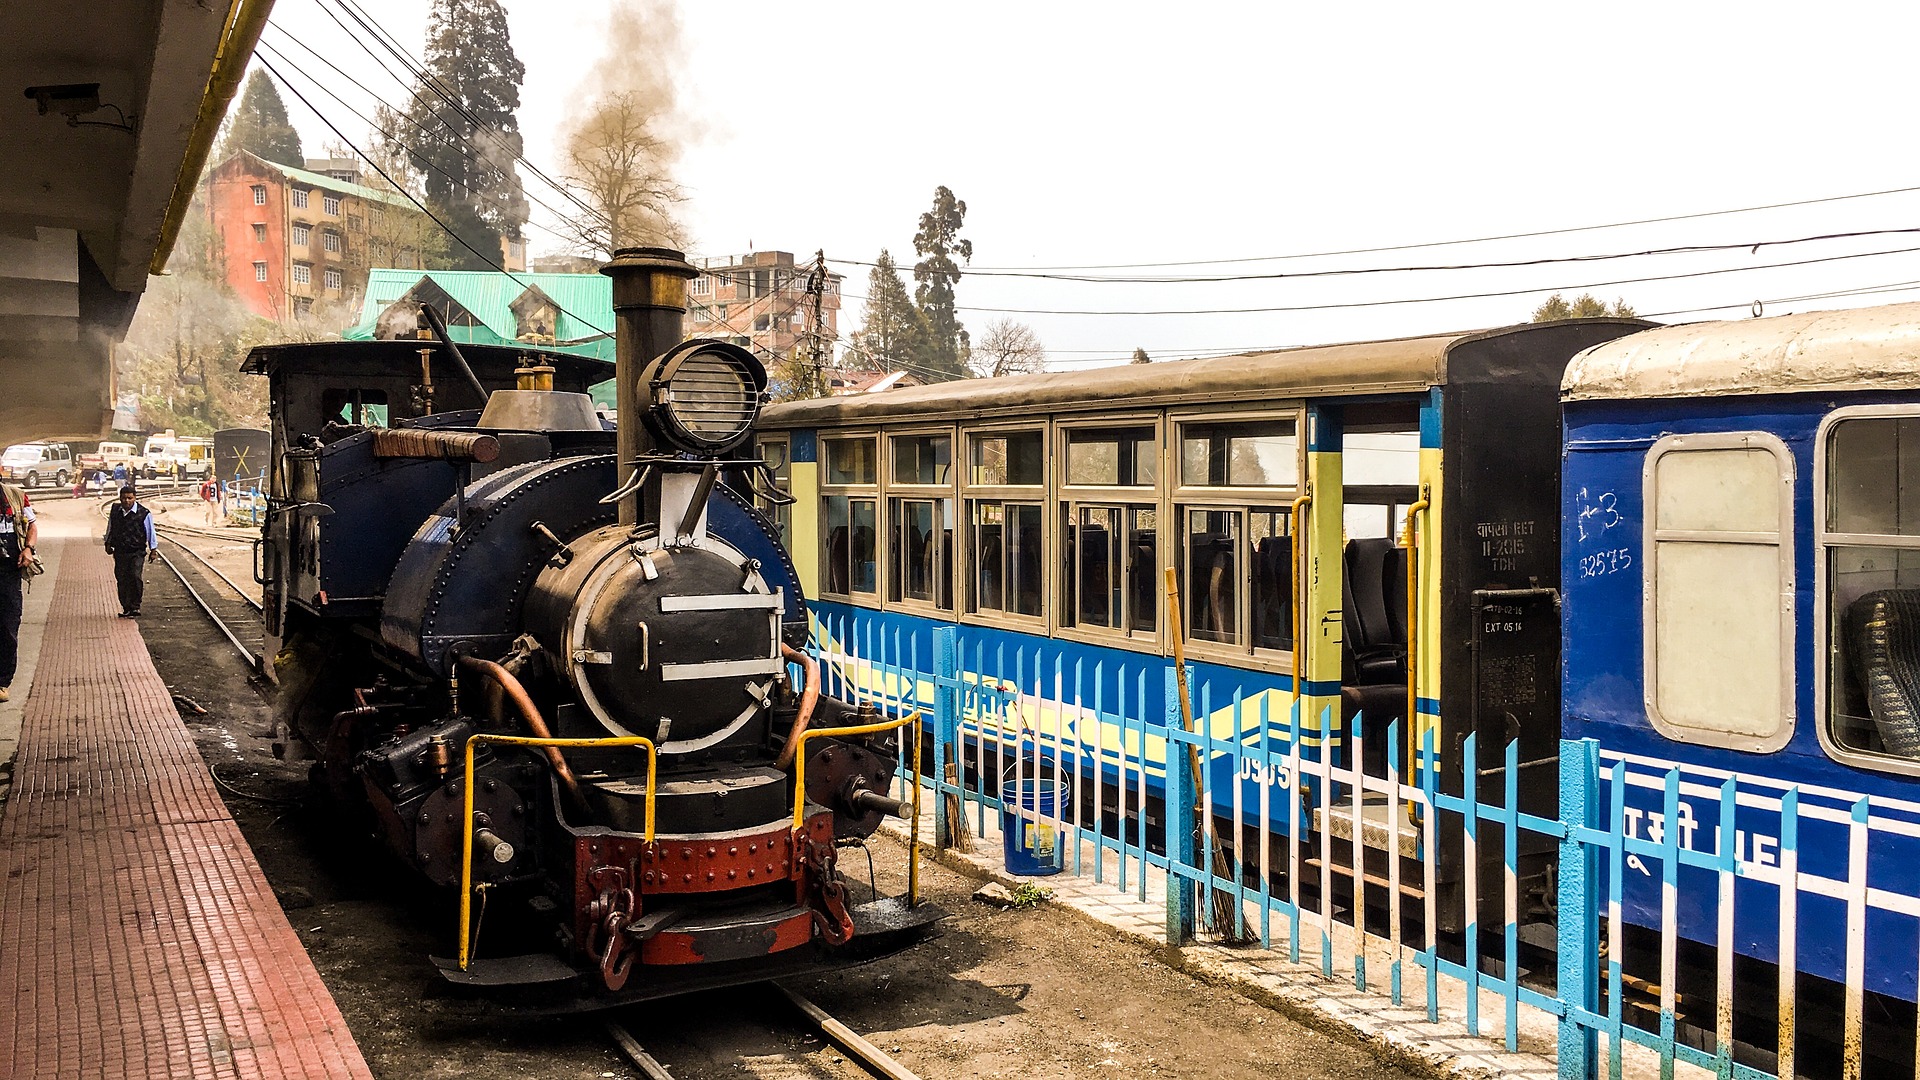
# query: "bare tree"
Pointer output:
{"type": "Point", "coordinates": [1008, 348]}
{"type": "Point", "coordinates": [617, 166]}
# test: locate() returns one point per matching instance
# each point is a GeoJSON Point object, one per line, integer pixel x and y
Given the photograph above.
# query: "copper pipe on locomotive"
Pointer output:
{"type": "Point", "coordinates": [529, 712]}
{"type": "Point", "coordinates": [809, 698]}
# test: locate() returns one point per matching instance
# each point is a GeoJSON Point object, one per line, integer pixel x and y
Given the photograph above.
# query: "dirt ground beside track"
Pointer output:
{"type": "Point", "coordinates": [1024, 993]}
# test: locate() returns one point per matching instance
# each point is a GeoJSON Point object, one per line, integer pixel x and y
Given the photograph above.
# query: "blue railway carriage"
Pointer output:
{"type": "Point", "coordinates": [1346, 523]}
{"type": "Point", "coordinates": [1741, 570]}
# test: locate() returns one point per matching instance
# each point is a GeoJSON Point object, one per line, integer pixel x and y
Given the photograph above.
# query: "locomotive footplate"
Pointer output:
{"type": "Point", "coordinates": [544, 983]}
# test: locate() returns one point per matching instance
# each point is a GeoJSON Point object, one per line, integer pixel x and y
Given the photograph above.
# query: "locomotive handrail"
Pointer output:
{"type": "Point", "coordinates": [466, 839]}
{"type": "Point", "coordinates": [800, 758]}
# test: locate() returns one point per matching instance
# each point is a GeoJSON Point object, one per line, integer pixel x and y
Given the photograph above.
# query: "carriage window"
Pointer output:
{"type": "Point", "coordinates": [922, 459]}
{"type": "Point", "coordinates": [1259, 453]}
{"type": "Point", "coordinates": [1270, 569]}
{"type": "Point", "coordinates": [850, 461]}
{"type": "Point", "coordinates": [1871, 548]}
{"type": "Point", "coordinates": [1008, 460]}
{"type": "Point", "coordinates": [1006, 551]}
{"type": "Point", "coordinates": [1110, 568]}
{"type": "Point", "coordinates": [850, 545]}
{"type": "Point", "coordinates": [778, 455]}
{"type": "Point", "coordinates": [1213, 575]}
{"type": "Point", "coordinates": [1113, 457]}
{"type": "Point", "coordinates": [1719, 651]}
{"type": "Point", "coordinates": [921, 550]}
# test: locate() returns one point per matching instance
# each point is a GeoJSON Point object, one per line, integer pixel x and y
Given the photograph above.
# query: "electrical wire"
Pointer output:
{"type": "Point", "coordinates": [1358, 271]}
{"type": "Point", "coordinates": [1465, 241]}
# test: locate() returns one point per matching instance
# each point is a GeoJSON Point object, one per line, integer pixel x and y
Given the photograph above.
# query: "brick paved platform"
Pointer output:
{"type": "Point", "coordinates": [138, 937]}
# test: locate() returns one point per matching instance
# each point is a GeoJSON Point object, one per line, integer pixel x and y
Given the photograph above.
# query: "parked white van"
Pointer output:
{"type": "Point", "coordinates": [30, 464]}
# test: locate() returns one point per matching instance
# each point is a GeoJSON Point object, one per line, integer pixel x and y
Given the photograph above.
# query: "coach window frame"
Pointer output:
{"type": "Point", "coordinates": [1652, 536]}
{"type": "Point", "coordinates": [869, 492]}
{"type": "Point", "coordinates": [1242, 502]}
{"type": "Point", "coordinates": [972, 495]}
{"type": "Point", "coordinates": [1822, 542]}
{"type": "Point", "coordinates": [897, 491]}
{"type": "Point", "coordinates": [1126, 498]}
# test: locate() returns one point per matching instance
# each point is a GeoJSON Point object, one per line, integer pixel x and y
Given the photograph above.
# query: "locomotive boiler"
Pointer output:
{"type": "Point", "coordinates": [559, 669]}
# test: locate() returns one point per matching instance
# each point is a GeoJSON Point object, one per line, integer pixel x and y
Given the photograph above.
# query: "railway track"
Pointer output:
{"type": "Point", "coordinates": [869, 1058]}
{"type": "Point", "coordinates": [225, 607]}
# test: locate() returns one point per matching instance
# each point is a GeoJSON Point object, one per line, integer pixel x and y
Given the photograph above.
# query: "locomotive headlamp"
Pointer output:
{"type": "Point", "coordinates": [703, 396]}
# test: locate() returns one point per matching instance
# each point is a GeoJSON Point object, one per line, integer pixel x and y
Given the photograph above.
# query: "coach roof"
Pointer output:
{"type": "Point", "coordinates": [1859, 349]}
{"type": "Point", "coordinates": [1405, 364]}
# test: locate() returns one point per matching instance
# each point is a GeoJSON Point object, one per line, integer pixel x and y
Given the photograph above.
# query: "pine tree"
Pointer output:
{"type": "Point", "coordinates": [945, 347]}
{"type": "Point", "coordinates": [1140, 357]}
{"type": "Point", "coordinates": [260, 125]}
{"type": "Point", "coordinates": [892, 335]}
{"type": "Point", "coordinates": [469, 105]}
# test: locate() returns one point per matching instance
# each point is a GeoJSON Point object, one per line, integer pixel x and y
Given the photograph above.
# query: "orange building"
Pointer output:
{"type": "Point", "coordinates": [292, 240]}
{"type": "Point", "coordinates": [760, 301]}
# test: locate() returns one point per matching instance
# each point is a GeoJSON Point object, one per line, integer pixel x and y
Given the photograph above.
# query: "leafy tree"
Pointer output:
{"type": "Point", "coordinates": [260, 124]}
{"type": "Point", "coordinates": [894, 330]}
{"type": "Point", "coordinates": [1140, 357]}
{"type": "Point", "coordinates": [1008, 348]}
{"type": "Point", "coordinates": [944, 349]}
{"type": "Point", "coordinates": [1583, 307]}
{"type": "Point", "coordinates": [469, 135]}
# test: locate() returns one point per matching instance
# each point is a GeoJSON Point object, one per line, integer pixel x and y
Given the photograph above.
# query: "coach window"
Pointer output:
{"type": "Point", "coordinates": [920, 520]}
{"type": "Point", "coordinates": [850, 495]}
{"type": "Point", "coordinates": [1719, 609]}
{"type": "Point", "coordinates": [777, 452]}
{"type": "Point", "coordinates": [1236, 481]}
{"type": "Point", "coordinates": [1110, 550]}
{"type": "Point", "coordinates": [1006, 483]}
{"type": "Point", "coordinates": [1870, 558]}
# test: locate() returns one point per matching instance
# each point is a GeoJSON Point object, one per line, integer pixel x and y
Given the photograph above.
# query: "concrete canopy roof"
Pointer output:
{"type": "Point", "coordinates": [88, 207]}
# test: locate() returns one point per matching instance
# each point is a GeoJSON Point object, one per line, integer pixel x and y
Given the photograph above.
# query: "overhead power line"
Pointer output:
{"type": "Point", "coordinates": [1508, 264]}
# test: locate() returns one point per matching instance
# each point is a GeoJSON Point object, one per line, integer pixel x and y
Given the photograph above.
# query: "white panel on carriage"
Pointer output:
{"type": "Point", "coordinates": [1862, 349]}
{"type": "Point", "coordinates": [1721, 490]}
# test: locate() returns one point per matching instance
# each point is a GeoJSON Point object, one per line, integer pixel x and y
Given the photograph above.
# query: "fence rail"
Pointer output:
{"type": "Point", "coordinates": [1289, 843]}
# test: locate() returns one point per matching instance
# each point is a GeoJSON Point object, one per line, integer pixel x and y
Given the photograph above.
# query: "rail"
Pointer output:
{"type": "Point", "coordinates": [466, 844]}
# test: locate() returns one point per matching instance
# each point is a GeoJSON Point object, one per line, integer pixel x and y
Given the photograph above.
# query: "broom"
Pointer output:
{"type": "Point", "coordinates": [958, 837]}
{"type": "Point", "coordinates": [1226, 919]}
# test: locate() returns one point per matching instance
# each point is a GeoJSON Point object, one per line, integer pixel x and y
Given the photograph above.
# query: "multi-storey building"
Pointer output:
{"type": "Point", "coordinates": [760, 300]}
{"type": "Point", "coordinates": [293, 240]}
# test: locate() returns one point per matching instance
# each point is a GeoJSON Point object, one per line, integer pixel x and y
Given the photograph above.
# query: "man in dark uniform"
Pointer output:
{"type": "Point", "coordinates": [131, 541]}
{"type": "Point", "coordinates": [18, 534]}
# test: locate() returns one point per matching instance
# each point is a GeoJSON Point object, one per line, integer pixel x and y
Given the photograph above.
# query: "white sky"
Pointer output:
{"type": "Point", "coordinates": [1082, 133]}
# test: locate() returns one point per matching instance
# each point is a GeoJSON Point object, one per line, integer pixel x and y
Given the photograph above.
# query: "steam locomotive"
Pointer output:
{"type": "Point", "coordinates": [557, 667]}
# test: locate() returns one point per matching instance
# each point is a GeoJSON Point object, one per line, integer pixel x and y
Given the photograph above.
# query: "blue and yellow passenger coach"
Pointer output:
{"type": "Point", "coordinates": [1373, 524]}
{"type": "Point", "coordinates": [1742, 580]}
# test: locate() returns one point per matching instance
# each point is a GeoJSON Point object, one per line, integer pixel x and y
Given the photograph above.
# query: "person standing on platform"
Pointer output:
{"type": "Point", "coordinates": [131, 541]}
{"type": "Point", "coordinates": [18, 535]}
{"type": "Point", "coordinates": [120, 473]}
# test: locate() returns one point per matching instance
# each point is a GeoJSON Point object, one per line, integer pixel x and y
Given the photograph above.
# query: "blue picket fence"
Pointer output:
{"type": "Point", "coordinates": [1243, 836]}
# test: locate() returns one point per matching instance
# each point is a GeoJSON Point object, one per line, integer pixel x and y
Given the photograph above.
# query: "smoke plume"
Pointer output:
{"type": "Point", "coordinates": [620, 151]}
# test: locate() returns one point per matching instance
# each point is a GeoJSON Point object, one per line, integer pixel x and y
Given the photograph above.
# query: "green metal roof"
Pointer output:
{"type": "Point", "coordinates": [584, 326]}
{"type": "Point", "coordinates": [320, 180]}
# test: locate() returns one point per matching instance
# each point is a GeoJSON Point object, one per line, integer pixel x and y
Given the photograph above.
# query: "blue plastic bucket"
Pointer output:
{"type": "Point", "coordinates": [1032, 847]}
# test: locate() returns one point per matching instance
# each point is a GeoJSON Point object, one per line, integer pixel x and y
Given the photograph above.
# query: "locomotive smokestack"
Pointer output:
{"type": "Point", "coordinates": [649, 304]}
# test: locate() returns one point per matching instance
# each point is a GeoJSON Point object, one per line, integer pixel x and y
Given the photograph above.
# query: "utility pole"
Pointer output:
{"type": "Point", "coordinates": [817, 287]}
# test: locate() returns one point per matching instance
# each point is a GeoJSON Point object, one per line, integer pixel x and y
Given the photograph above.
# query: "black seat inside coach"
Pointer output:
{"type": "Point", "coordinates": [1094, 597]}
{"type": "Point", "coordinates": [1143, 579]}
{"type": "Point", "coordinates": [1374, 597]}
{"type": "Point", "coordinates": [1273, 593]}
{"type": "Point", "coordinates": [837, 552]}
{"type": "Point", "coordinates": [1373, 659]}
{"type": "Point", "coordinates": [1883, 640]}
{"type": "Point", "coordinates": [1211, 603]}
